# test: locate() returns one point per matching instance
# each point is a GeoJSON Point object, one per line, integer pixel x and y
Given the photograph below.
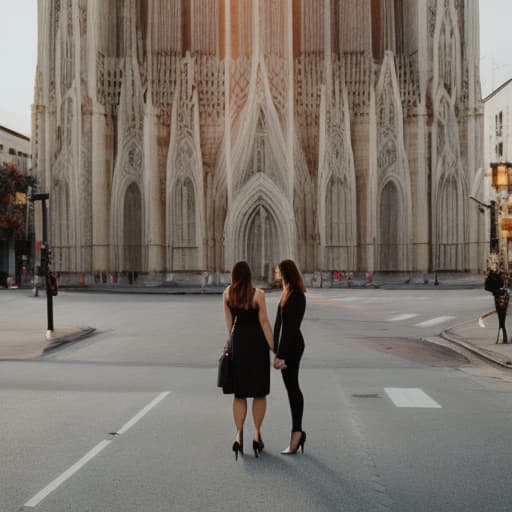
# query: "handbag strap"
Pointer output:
{"type": "Point", "coordinates": [229, 341]}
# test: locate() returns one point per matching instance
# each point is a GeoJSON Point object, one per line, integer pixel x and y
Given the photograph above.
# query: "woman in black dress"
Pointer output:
{"type": "Point", "coordinates": [245, 307]}
{"type": "Point", "coordinates": [289, 345]}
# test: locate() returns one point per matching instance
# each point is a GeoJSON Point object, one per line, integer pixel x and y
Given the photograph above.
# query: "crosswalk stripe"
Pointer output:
{"type": "Point", "coordinates": [435, 321]}
{"type": "Point", "coordinates": [405, 316]}
{"type": "Point", "coordinates": [411, 397]}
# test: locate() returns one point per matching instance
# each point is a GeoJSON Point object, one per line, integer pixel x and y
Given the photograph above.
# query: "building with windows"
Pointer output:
{"type": "Point", "coordinates": [15, 148]}
{"type": "Point", "coordinates": [498, 124]}
{"type": "Point", "coordinates": [178, 136]}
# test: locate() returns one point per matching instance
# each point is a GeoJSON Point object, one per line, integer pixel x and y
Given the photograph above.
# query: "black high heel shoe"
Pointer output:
{"type": "Point", "coordinates": [239, 446]}
{"type": "Point", "coordinates": [300, 444]}
{"type": "Point", "coordinates": [258, 446]}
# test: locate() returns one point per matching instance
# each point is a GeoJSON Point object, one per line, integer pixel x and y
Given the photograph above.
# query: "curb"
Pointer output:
{"type": "Point", "coordinates": [84, 332]}
{"type": "Point", "coordinates": [142, 291]}
{"type": "Point", "coordinates": [484, 354]}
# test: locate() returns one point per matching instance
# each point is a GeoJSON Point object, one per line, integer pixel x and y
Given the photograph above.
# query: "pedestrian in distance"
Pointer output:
{"type": "Point", "coordinates": [289, 345]}
{"type": "Point", "coordinates": [246, 317]}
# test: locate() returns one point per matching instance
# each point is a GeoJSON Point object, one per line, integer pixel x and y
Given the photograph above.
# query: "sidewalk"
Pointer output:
{"type": "Point", "coordinates": [31, 343]}
{"type": "Point", "coordinates": [482, 341]}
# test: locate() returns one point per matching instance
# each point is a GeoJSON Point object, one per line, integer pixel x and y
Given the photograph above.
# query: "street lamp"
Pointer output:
{"type": "Point", "coordinates": [45, 259]}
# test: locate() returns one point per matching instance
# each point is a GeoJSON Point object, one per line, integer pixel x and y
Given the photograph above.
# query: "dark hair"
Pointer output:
{"type": "Point", "coordinates": [240, 292]}
{"type": "Point", "coordinates": [291, 276]}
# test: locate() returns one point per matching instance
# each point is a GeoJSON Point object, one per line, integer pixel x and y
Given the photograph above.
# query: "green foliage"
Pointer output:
{"type": "Point", "coordinates": [13, 212]}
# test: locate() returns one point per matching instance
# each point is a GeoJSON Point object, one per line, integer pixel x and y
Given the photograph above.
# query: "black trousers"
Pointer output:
{"type": "Point", "coordinates": [295, 396]}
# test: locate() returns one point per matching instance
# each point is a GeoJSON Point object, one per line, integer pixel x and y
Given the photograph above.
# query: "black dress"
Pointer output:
{"type": "Point", "coordinates": [251, 358]}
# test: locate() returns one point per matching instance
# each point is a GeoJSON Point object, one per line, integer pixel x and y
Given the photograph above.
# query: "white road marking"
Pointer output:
{"type": "Point", "coordinates": [405, 316]}
{"type": "Point", "coordinates": [435, 321]}
{"type": "Point", "coordinates": [143, 412]}
{"type": "Point", "coordinates": [41, 495]}
{"type": "Point", "coordinates": [411, 397]}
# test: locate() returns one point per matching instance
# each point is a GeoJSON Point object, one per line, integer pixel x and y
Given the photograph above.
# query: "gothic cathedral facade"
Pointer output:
{"type": "Point", "coordinates": [179, 136]}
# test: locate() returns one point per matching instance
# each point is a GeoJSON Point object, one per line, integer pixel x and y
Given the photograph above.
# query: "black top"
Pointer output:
{"type": "Point", "coordinates": [288, 340]}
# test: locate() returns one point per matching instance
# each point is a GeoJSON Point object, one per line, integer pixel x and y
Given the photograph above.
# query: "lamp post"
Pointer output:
{"type": "Point", "coordinates": [45, 260]}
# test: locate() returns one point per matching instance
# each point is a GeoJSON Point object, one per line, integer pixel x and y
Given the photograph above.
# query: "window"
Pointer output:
{"type": "Point", "coordinates": [1, 147]}
{"type": "Point", "coordinates": [499, 151]}
{"type": "Point", "coordinates": [499, 123]}
{"type": "Point", "coordinates": [12, 151]}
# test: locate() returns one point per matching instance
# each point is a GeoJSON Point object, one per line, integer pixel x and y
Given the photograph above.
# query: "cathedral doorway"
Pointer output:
{"type": "Point", "coordinates": [261, 242]}
{"type": "Point", "coordinates": [260, 228]}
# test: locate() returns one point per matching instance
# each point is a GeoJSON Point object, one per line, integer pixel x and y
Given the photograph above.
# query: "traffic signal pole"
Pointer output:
{"type": "Point", "coordinates": [45, 261]}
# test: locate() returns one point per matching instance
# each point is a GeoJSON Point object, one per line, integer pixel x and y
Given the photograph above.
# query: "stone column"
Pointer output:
{"type": "Point", "coordinates": [155, 236]}
{"type": "Point", "coordinates": [101, 189]}
{"type": "Point", "coordinates": [420, 192]}
{"type": "Point", "coordinates": [478, 245]}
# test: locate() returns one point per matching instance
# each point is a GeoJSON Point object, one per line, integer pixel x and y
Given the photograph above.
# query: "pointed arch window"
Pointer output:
{"type": "Point", "coordinates": [132, 229]}
{"type": "Point", "coordinates": [184, 214]}
{"type": "Point", "coordinates": [391, 219]}
{"type": "Point", "coordinates": [337, 212]}
{"type": "Point", "coordinates": [448, 222]}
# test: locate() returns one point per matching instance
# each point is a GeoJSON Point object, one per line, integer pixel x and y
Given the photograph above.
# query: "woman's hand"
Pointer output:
{"type": "Point", "coordinates": [279, 364]}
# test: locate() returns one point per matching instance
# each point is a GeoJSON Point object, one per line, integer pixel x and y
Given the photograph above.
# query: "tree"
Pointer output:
{"type": "Point", "coordinates": [13, 189]}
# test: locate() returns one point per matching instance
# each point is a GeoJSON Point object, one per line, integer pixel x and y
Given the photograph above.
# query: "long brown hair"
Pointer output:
{"type": "Point", "coordinates": [241, 291]}
{"type": "Point", "coordinates": [292, 277]}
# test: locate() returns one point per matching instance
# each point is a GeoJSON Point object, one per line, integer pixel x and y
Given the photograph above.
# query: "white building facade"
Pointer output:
{"type": "Point", "coordinates": [498, 124]}
{"type": "Point", "coordinates": [178, 136]}
{"type": "Point", "coordinates": [15, 148]}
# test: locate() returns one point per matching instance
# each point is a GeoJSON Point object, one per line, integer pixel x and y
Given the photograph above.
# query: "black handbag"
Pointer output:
{"type": "Point", "coordinates": [225, 375]}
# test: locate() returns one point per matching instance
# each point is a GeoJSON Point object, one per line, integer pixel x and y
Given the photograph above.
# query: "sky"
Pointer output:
{"type": "Point", "coordinates": [18, 55]}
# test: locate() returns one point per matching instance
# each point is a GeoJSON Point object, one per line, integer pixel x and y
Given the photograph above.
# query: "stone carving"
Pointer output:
{"type": "Point", "coordinates": [239, 79]}
{"type": "Point", "coordinates": [392, 181]}
{"type": "Point", "coordinates": [309, 77]}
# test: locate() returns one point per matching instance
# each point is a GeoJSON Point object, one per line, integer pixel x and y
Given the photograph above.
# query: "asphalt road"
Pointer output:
{"type": "Point", "coordinates": [130, 419]}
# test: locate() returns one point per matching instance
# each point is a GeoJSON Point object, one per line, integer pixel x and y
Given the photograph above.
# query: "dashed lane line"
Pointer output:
{"type": "Point", "coordinates": [411, 397]}
{"type": "Point", "coordinates": [404, 316]}
{"type": "Point", "coordinates": [52, 486]}
{"type": "Point", "coordinates": [435, 321]}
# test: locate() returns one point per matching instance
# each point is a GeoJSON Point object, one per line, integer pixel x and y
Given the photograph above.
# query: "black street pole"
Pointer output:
{"type": "Point", "coordinates": [46, 267]}
{"type": "Point", "coordinates": [45, 259]}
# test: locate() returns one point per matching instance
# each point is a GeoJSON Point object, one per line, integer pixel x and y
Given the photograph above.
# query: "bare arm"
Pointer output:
{"type": "Point", "coordinates": [227, 311]}
{"type": "Point", "coordinates": [263, 318]}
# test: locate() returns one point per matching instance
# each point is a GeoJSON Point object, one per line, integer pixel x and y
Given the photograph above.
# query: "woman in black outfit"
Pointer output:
{"type": "Point", "coordinates": [289, 345]}
{"type": "Point", "coordinates": [245, 308]}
